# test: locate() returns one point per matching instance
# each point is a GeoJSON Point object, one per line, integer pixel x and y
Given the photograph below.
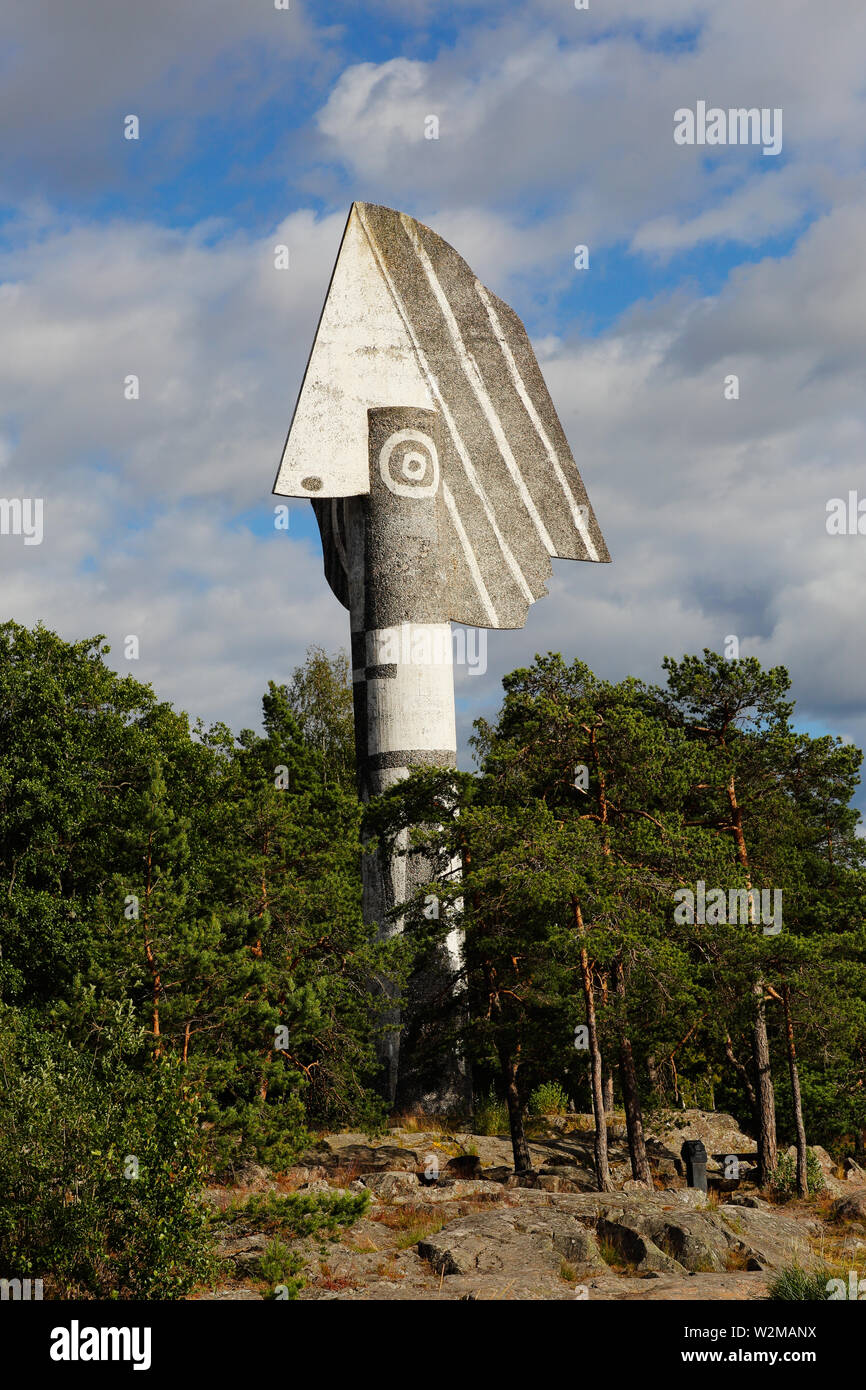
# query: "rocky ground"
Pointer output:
{"type": "Point", "coordinates": [448, 1219]}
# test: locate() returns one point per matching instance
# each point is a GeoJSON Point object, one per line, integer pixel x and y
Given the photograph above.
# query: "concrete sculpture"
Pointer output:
{"type": "Point", "coordinates": [443, 485]}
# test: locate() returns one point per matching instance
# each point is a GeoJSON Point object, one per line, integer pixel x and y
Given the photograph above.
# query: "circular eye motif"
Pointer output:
{"type": "Point", "coordinates": [409, 464]}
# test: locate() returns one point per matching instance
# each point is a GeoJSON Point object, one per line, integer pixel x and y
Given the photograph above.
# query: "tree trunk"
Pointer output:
{"type": "Point", "coordinates": [640, 1169]}
{"type": "Point", "coordinates": [519, 1146]}
{"type": "Point", "coordinates": [608, 1070]}
{"type": "Point", "coordinates": [156, 989]}
{"type": "Point", "coordinates": [741, 1070]}
{"type": "Point", "coordinates": [743, 1073]}
{"type": "Point", "coordinates": [633, 1118]}
{"type": "Point", "coordinates": [602, 1170]}
{"type": "Point", "coordinates": [802, 1178]}
{"type": "Point", "coordinates": [608, 1091]}
{"type": "Point", "coordinates": [766, 1106]}
{"type": "Point", "coordinates": [150, 955]}
{"type": "Point", "coordinates": [655, 1078]}
{"type": "Point", "coordinates": [766, 1096]}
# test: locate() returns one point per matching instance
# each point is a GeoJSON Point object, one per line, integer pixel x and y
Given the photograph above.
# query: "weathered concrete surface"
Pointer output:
{"type": "Point", "coordinates": [407, 324]}
{"type": "Point", "coordinates": [398, 562]}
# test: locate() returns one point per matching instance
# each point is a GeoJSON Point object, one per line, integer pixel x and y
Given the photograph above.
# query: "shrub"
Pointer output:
{"type": "Point", "coordinates": [548, 1099]}
{"type": "Point", "coordinates": [784, 1178]}
{"type": "Point", "coordinates": [491, 1115]}
{"type": "Point", "coordinates": [281, 1268]}
{"type": "Point", "coordinates": [299, 1213]}
{"type": "Point", "coordinates": [101, 1168]}
{"type": "Point", "coordinates": [291, 1216]}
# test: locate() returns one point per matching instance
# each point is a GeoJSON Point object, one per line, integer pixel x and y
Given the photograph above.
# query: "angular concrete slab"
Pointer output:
{"type": "Point", "coordinates": [406, 323]}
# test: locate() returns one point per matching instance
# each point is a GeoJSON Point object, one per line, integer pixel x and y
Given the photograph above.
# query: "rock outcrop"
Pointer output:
{"type": "Point", "coordinates": [449, 1220]}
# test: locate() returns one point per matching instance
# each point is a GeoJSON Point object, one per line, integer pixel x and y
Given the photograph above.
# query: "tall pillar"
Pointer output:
{"type": "Point", "coordinates": [403, 682]}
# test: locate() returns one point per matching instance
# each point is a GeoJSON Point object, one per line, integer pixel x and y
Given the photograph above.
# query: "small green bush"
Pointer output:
{"type": "Point", "coordinates": [491, 1115]}
{"type": "Point", "coordinates": [291, 1217]}
{"type": "Point", "coordinates": [784, 1177]}
{"type": "Point", "coordinates": [297, 1214]}
{"type": "Point", "coordinates": [281, 1268]}
{"type": "Point", "coordinates": [548, 1099]}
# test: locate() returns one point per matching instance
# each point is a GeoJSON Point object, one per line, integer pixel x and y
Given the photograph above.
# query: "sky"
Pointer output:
{"type": "Point", "coordinates": [257, 127]}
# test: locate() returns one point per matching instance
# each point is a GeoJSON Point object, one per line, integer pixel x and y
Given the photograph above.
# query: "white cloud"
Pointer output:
{"type": "Point", "coordinates": [534, 117]}
{"type": "Point", "coordinates": [71, 73]}
{"type": "Point", "coordinates": [139, 495]}
{"type": "Point", "coordinates": [714, 510]}
{"type": "Point", "coordinates": [760, 208]}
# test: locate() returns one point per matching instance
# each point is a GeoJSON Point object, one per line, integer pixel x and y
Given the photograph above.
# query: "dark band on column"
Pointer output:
{"type": "Point", "coordinates": [359, 650]}
{"type": "Point", "coordinates": [412, 757]}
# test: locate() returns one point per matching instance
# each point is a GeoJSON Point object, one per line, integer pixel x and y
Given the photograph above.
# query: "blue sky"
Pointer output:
{"type": "Point", "coordinates": [259, 127]}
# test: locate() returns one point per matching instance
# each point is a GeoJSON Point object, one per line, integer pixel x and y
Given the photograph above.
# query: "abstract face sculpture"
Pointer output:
{"type": "Point", "coordinates": [442, 483]}
{"type": "Point", "coordinates": [407, 325]}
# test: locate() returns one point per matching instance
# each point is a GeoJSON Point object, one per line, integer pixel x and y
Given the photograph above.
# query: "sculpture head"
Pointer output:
{"type": "Point", "coordinates": [423, 395]}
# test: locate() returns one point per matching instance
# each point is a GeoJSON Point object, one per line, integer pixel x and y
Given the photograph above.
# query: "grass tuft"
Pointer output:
{"type": "Point", "coordinates": [796, 1285]}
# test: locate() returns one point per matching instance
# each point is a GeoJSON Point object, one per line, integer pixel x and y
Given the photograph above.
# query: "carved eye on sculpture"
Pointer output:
{"type": "Point", "coordinates": [409, 464]}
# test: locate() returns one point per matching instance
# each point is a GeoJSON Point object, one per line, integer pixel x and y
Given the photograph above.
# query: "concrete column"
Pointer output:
{"type": "Point", "coordinates": [404, 703]}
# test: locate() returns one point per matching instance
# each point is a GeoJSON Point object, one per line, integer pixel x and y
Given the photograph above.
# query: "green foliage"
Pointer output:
{"type": "Point", "coordinates": [205, 890]}
{"type": "Point", "coordinates": [280, 1267]}
{"type": "Point", "coordinates": [795, 1285]}
{"type": "Point", "coordinates": [784, 1178]}
{"type": "Point", "coordinates": [296, 1036]}
{"type": "Point", "coordinates": [298, 1214]}
{"type": "Point", "coordinates": [491, 1116]}
{"type": "Point", "coordinates": [186, 976]}
{"type": "Point", "coordinates": [597, 809]}
{"type": "Point", "coordinates": [548, 1099]}
{"type": "Point", "coordinates": [101, 1166]}
{"type": "Point", "coordinates": [320, 697]}
{"type": "Point", "coordinates": [211, 882]}
{"type": "Point", "coordinates": [290, 1217]}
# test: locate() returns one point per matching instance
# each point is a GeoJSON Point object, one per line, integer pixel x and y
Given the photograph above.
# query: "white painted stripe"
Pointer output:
{"type": "Point", "coordinates": [414, 709]}
{"type": "Point", "coordinates": [525, 397]}
{"type": "Point", "coordinates": [410, 644]}
{"type": "Point", "coordinates": [468, 552]}
{"type": "Point", "coordinates": [476, 381]}
{"type": "Point", "coordinates": [451, 423]}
